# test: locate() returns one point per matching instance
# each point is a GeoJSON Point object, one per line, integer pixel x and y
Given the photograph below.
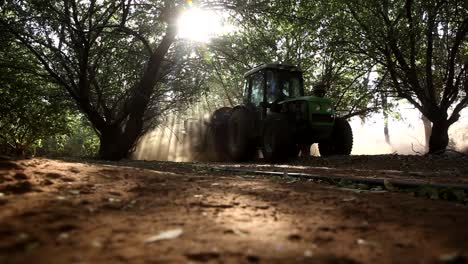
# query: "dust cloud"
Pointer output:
{"type": "Point", "coordinates": [183, 139]}
{"type": "Point", "coordinates": [406, 135]}
{"type": "Point", "coordinates": [176, 139]}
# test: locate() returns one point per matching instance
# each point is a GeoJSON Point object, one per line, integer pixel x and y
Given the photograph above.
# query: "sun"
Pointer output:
{"type": "Point", "coordinates": [200, 25]}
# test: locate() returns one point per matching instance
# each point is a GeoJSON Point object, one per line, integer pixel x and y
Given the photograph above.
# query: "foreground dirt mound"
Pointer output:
{"type": "Point", "coordinates": [159, 212]}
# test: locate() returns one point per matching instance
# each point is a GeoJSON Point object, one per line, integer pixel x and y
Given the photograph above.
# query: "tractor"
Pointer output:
{"type": "Point", "coordinates": [277, 118]}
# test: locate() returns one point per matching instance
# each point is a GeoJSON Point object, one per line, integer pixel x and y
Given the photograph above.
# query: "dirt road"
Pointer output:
{"type": "Point", "coordinates": [54, 211]}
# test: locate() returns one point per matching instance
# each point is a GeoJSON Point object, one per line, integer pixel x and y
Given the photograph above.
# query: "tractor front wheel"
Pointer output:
{"type": "Point", "coordinates": [276, 140]}
{"type": "Point", "coordinates": [341, 140]}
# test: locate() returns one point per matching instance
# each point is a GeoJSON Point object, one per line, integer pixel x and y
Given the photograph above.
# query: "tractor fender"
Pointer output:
{"type": "Point", "coordinates": [218, 132]}
{"type": "Point", "coordinates": [254, 114]}
{"type": "Point", "coordinates": [241, 134]}
{"type": "Point", "coordinates": [220, 116]}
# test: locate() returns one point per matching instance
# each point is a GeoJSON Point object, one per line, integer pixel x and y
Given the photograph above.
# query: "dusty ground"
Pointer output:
{"type": "Point", "coordinates": [55, 211]}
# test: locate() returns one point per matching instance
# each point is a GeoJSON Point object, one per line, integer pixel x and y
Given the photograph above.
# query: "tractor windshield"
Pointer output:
{"type": "Point", "coordinates": [282, 85]}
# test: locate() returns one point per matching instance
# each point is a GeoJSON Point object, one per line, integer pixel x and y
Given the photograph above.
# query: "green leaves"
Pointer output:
{"type": "Point", "coordinates": [116, 60]}
{"type": "Point", "coordinates": [441, 194]}
{"type": "Point", "coordinates": [31, 108]}
{"type": "Point", "coordinates": [304, 33]}
{"type": "Point", "coordinates": [389, 186]}
{"type": "Point", "coordinates": [79, 141]}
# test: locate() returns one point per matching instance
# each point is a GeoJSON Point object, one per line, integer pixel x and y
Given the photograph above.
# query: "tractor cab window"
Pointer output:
{"type": "Point", "coordinates": [292, 83]}
{"type": "Point", "coordinates": [257, 89]}
{"type": "Point", "coordinates": [296, 88]}
{"type": "Point", "coordinates": [273, 88]}
{"type": "Point", "coordinates": [283, 85]}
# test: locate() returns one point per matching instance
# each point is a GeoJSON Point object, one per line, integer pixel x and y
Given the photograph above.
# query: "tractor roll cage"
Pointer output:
{"type": "Point", "coordinates": [279, 70]}
{"type": "Point", "coordinates": [278, 66]}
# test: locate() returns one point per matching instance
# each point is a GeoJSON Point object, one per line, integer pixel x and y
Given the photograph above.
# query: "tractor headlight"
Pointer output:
{"type": "Point", "coordinates": [329, 108]}
{"type": "Point", "coordinates": [317, 107]}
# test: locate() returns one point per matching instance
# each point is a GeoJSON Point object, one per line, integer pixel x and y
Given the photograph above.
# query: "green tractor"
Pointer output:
{"type": "Point", "coordinates": [277, 118]}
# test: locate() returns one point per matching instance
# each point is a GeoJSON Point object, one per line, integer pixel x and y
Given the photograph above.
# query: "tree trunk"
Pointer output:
{"type": "Point", "coordinates": [386, 134]}
{"type": "Point", "coordinates": [115, 145]}
{"type": "Point", "coordinates": [118, 140]}
{"type": "Point", "coordinates": [385, 115]}
{"type": "Point", "coordinates": [427, 131]}
{"type": "Point", "coordinates": [20, 150]}
{"type": "Point", "coordinates": [112, 145]}
{"type": "Point", "coordinates": [439, 139]}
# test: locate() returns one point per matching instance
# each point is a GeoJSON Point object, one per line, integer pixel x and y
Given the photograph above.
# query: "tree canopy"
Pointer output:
{"type": "Point", "coordinates": [116, 60]}
{"type": "Point", "coordinates": [422, 45]}
{"type": "Point", "coordinates": [123, 66]}
{"type": "Point", "coordinates": [31, 107]}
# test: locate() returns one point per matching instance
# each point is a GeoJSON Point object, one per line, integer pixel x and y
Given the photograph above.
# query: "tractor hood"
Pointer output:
{"type": "Point", "coordinates": [311, 98]}
{"type": "Point", "coordinates": [315, 104]}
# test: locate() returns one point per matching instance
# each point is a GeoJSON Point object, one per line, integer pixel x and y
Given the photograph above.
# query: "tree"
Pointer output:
{"type": "Point", "coordinates": [114, 59]}
{"type": "Point", "coordinates": [31, 108]}
{"type": "Point", "coordinates": [79, 141]}
{"type": "Point", "coordinates": [299, 33]}
{"type": "Point", "coordinates": [423, 46]}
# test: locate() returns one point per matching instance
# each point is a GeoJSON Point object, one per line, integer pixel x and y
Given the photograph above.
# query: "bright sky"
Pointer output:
{"type": "Point", "coordinates": [201, 25]}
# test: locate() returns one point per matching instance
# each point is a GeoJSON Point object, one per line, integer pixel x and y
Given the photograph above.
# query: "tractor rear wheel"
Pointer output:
{"type": "Point", "coordinates": [341, 141]}
{"type": "Point", "coordinates": [218, 132]}
{"type": "Point", "coordinates": [276, 140]}
{"type": "Point", "coordinates": [241, 144]}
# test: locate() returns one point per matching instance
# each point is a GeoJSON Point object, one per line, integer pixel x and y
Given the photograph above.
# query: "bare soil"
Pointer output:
{"type": "Point", "coordinates": [56, 211]}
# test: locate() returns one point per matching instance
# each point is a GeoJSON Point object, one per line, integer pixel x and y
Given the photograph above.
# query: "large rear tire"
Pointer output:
{"type": "Point", "coordinates": [341, 141]}
{"type": "Point", "coordinates": [241, 144]}
{"type": "Point", "coordinates": [218, 132]}
{"type": "Point", "coordinates": [277, 143]}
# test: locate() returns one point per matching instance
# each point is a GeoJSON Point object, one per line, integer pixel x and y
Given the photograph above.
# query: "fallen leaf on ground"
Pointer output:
{"type": "Point", "coordinates": [74, 170]}
{"type": "Point", "coordinates": [389, 186]}
{"type": "Point", "coordinates": [308, 253]}
{"type": "Point", "coordinates": [351, 190]}
{"type": "Point", "coordinates": [238, 232]}
{"type": "Point", "coordinates": [453, 257]}
{"type": "Point", "coordinates": [361, 241]}
{"type": "Point", "coordinates": [113, 200]}
{"type": "Point", "coordinates": [349, 199]}
{"type": "Point", "coordinates": [377, 188]}
{"type": "Point", "coordinates": [22, 236]}
{"type": "Point", "coordinates": [74, 192]}
{"type": "Point", "coordinates": [63, 236]}
{"type": "Point", "coordinates": [165, 235]}
{"type": "Point", "coordinates": [96, 243]}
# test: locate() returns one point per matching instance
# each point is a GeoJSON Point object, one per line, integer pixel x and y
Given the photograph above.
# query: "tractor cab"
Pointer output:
{"type": "Point", "coordinates": [270, 84]}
